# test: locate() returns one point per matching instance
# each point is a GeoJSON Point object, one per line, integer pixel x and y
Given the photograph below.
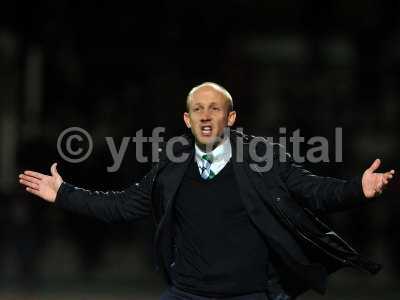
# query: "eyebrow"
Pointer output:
{"type": "Point", "coordinates": [197, 104]}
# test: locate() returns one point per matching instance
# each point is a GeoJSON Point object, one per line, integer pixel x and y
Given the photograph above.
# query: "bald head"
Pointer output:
{"type": "Point", "coordinates": [209, 113]}
{"type": "Point", "coordinates": [212, 88]}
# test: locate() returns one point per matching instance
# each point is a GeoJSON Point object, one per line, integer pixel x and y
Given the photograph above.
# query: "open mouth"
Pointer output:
{"type": "Point", "coordinates": [206, 130]}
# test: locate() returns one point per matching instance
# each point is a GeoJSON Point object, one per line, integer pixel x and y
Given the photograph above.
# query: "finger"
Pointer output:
{"type": "Point", "coordinates": [53, 170]}
{"type": "Point", "coordinates": [34, 174]}
{"type": "Point", "coordinates": [379, 188]}
{"type": "Point", "coordinates": [33, 191]}
{"type": "Point", "coordinates": [383, 184]}
{"type": "Point", "coordinates": [375, 165]}
{"type": "Point", "coordinates": [29, 184]}
{"type": "Point", "coordinates": [387, 176]}
{"type": "Point", "coordinates": [29, 178]}
{"type": "Point", "coordinates": [380, 184]}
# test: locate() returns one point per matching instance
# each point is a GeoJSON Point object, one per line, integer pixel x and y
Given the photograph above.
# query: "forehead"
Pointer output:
{"type": "Point", "coordinates": [207, 94]}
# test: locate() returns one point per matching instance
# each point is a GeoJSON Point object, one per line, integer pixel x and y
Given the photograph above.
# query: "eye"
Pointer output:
{"type": "Point", "coordinates": [216, 108]}
{"type": "Point", "coordinates": [196, 109]}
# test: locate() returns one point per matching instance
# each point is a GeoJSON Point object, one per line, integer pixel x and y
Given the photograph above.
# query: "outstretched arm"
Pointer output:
{"type": "Point", "coordinates": [327, 194]}
{"type": "Point", "coordinates": [112, 207]}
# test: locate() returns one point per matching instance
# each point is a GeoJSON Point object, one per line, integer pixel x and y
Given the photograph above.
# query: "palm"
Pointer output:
{"type": "Point", "coordinates": [48, 187]}
{"type": "Point", "coordinates": [42, 185]}
{"type": "Point", "coordinates": [374, 183]}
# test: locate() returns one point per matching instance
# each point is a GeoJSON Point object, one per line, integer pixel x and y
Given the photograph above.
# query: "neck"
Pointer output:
{"type": "Point", "coordinates": [210, 147]}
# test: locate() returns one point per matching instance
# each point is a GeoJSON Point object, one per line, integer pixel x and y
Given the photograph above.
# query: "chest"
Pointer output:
{"type": "Point", "coordinates": [217, 197]}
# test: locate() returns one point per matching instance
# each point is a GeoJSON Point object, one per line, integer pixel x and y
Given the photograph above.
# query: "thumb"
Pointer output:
{"type": "Point", "coordinates": [375, 165]}
{"type": "Point", "coordinates": [53, 170]}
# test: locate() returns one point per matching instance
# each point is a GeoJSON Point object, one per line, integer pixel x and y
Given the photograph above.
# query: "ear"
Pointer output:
{"type": "Point", "coordinates": [231, 118]}
{"type": "Point", "coordinates": [186, 119]}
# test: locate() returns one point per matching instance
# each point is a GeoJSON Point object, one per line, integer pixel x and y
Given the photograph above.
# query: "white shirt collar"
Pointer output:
{"type": "Point", "coordinates": [221, 155]}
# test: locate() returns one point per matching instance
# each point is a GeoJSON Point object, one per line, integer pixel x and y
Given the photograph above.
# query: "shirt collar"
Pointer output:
{"type": "Point", "coordinates": [221, 152]}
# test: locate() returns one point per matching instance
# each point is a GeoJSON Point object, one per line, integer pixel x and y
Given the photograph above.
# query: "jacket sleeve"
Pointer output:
{"type": "Point", "coordinates": [112, 206]}
{"type": "Point", "coordinates": [321, 194]}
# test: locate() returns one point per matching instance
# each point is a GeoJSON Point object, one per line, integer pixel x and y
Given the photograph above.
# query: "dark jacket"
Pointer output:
{"type": "Point", "coordinates": [283, 203]}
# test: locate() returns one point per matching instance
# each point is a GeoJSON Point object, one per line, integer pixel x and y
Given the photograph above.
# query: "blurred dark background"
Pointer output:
{"type": "Point", "coordinates": [114, 68]}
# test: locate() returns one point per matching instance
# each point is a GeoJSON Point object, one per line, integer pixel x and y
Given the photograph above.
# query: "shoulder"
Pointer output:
{"type": "Point", "coordinates": [175, 149]}
{"type": "Point", "coordinates": [259, 145]}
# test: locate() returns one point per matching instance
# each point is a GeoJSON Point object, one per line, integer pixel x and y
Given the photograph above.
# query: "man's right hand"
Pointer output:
{"type": "Point", "coordinates": [44, 186]}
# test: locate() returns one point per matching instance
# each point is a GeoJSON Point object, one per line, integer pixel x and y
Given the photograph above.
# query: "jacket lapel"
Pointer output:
{"type": "Point", "coordinates": [172, 182]}
{"type": "Point", "coordinates": [255, 195]}
{"type": "Point", "coordinates": [258, 201]}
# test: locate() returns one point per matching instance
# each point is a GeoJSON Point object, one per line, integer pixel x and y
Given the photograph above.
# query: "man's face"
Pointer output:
{"type": "Point", "coordinates": [208, 115]}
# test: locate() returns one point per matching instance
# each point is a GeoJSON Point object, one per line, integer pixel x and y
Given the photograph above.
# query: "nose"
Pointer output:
{"type": "Point", "coordinates": [205, 116]}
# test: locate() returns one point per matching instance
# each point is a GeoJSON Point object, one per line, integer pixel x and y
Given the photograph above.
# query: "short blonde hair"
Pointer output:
{"type": "Point", "coordinates": [215, 86]}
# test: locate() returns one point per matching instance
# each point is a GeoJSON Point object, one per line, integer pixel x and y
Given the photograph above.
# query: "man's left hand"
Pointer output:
{"type": "Point", "coordinates": [374, 183]}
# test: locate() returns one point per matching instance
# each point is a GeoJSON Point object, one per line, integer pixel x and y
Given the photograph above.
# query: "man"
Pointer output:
{"type": "Point", "coordinates": [226, 228]}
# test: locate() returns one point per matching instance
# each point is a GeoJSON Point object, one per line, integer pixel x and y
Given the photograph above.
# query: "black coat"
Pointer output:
{"type": "Point", "coordinates": [283, 203]}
